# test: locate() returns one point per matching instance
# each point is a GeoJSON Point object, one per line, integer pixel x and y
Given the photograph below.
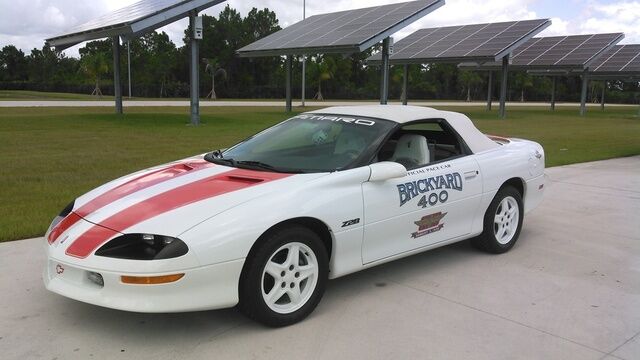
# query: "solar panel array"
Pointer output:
{"type": "Point", "coordinates": [340, 31]}
{"type": "Point", "coordinates": [138, 11]}
{"type": "Point", "coordinates": [564, 51]}
{"type": "Point", "coordinates": [620, 59]}
{"type": "Point", "coordinates": [129, 13]}
{"type": "Point", "coordinates": [464, 42]}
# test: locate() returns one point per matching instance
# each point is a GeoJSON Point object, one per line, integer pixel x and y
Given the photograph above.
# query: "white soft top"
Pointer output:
{"type": "Point", "coordinates": [476, 140]}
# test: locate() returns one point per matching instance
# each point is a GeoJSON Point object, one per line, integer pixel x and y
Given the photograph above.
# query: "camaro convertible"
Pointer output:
{"type": "Point", "coordinates": [264, 224]}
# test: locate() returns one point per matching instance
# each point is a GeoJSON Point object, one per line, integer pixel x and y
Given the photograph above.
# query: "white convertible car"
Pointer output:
{"type": "Point", "coordinates": [266, 222]}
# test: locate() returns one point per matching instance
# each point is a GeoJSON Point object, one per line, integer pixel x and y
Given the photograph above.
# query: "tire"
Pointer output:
{"type": "Point", "coordinates": [502, 222]}
{"type": "Point", "coordinates": [273, 289]}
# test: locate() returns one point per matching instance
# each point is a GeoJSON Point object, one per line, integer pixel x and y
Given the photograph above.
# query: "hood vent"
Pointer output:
{"type": "Point", "coordinates": [244, 179]}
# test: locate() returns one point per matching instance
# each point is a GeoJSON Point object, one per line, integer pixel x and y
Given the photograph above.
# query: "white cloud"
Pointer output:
{"type": "Point", "coordinates": [558, 27]}
{"type": "Point", "coordinates": [620, 16]}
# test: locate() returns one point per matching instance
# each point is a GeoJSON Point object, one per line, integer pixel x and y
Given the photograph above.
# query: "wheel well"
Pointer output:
{"type": "Point", "coordinates": [517, 183]}
{"type": "Point", "coordinates": [313, 224]}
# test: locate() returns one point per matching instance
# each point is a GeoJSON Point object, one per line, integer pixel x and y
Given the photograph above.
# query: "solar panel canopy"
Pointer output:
{"type": "Point", "coordinates": [131, 21]}
{"type": "Point", "coordinates": [621, 59]}
{"type": "Point", "coordinates": [574, 52]}
{"type": "Point", "coordinates": [476, 42]}
{"type": "Point", "coordinates": [343, 32]}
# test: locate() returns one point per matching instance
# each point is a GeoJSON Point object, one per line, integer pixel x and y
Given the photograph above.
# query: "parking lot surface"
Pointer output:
{"type": "Point", "coordinates": [569, 289]}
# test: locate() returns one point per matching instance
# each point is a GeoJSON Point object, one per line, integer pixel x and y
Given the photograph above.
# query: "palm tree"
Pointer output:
{"type": "Point", "coordinates": [94, 66]}
{"type": "Point", "coordinates": [469, 79]}
{"type": "Point", "coordinates": [214, 70]}
{"type": "Point", "coordinates": [323, 68]}
{"type": "Point", "coordinates": [523, 81]}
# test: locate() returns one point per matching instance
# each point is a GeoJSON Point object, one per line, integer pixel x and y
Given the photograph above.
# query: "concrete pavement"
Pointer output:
{"type": "Point", "coordinates": [267, 103]}
{"type": "Point", "coordinates": [569, 289]}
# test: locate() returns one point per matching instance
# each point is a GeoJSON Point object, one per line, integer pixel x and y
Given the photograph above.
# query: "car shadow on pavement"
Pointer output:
{"type": "Point", "coordinates": [140, 327]}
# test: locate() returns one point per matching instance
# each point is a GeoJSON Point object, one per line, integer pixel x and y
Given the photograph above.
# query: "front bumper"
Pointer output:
{"type": "Point", "coordinates": [202, 288]}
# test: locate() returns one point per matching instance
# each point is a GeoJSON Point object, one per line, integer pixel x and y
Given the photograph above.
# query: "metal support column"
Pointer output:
{"type": "Point", "coordinates": [117, 86]}
{"type": "Point", "coordinates": [195, 74]}
{"type": "Point", "coordinates": [129, 65]}
{"type": "Point", "coordinates": [304, 76]}
{"type": "Point", "coordinates": [405, 84]}
{"type": "Point", "coordinates": [490, 91]}
{"type": "Point", "coordinates": [583, 95]}
{"type": "Point", "coordinates": [503, 87]}
{"type": "Point", "coordinates": [289, 65]}
{"type": "Point", "coordinates": [304, 58]}
{"type": "Point", "coordinates": [604, 89]}
{"type": "Point", "coordinates": [384, 73]}
{"type": "Point", "coordinates": [554, 81]}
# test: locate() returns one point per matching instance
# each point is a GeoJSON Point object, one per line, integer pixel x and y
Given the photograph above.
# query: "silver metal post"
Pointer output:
{"type": "Point", "coordinates": [604, 89]}
{"type": "Point", "coordinates": [583, 95]}
{"type": "Point", "coordinates": [195, 74]}
{"type": "Point", "coordinates": [490, 91]}
{"type": "Point", "coordinates": [117, 86]}
{"type": "Point", "coordinates": [554, 81]}
{"type": "Point", "coordinates": [289, 65]}
{"type": "Point", "coordinates": [503, 87]}
{"type": "Point", "coordinates": [405, 84]}
{"type": "Point", "coordinates": [129, 65]}
{"type": "Point", "coordinates": [384, 81]}
{"type": "Point", "coordinates": [304, 57]}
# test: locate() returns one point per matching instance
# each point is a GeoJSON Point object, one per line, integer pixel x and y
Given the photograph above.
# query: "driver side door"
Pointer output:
{"type": "Point", "coordinates": [433, 203]}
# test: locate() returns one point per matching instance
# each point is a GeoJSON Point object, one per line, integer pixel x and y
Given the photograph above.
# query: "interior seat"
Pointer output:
{"type": "Point", "coordinates": [412, 151]}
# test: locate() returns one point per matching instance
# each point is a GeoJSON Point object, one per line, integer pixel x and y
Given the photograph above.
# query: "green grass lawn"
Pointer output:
{"type": "Point", "coordinates": [49, 156]}
{"type": "Point", "coordinates": [13, 95]}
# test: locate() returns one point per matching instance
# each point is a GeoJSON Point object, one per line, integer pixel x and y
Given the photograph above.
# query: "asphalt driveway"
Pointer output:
{"type": "Point", "coordinates": [569, 289]}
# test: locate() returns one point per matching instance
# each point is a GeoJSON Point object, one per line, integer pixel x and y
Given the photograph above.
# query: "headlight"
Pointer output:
{"type": "Point", "coordinates": [143, 247]}
{"type": "Point", "coordinates": [66, 211]}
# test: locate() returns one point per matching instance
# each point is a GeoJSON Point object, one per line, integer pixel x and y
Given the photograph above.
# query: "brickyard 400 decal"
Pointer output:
{"type": "Point", "coordinates": [431, 185]}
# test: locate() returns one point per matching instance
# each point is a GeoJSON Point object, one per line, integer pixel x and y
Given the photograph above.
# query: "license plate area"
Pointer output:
{"type": "Point", "coordinates": [70, 274]}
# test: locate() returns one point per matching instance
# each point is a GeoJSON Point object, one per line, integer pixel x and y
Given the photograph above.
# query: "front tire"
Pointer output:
{"type": "Point", "coordinates": [502, 222]}
{"type": "Point", "coordinates": [285, 277]}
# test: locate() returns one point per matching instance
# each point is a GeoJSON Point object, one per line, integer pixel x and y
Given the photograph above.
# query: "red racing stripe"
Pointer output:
{"type": "Point", "coordinates": [139, 183]}
{"type": "Point", "coordinates": [62, 226]}
{"type": "Point", "coordinates": [181, 196]}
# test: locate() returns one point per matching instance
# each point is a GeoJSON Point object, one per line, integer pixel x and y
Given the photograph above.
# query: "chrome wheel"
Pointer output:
{"type": "Point", "coordinates": [506, 220]}
{"type": "Point", "coordinates": [289, 277]}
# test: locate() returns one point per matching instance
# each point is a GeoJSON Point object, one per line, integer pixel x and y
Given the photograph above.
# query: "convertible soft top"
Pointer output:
{"type": "Point", "coordinates": [476, 140]}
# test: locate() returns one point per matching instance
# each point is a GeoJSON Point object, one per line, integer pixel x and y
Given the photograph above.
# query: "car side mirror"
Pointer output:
{"type": "Point", "coordinates": [387, 170]}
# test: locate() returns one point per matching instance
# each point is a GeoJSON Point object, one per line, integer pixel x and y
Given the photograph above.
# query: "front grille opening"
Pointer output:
{"type": "Point", "coordinates": [95, 278]}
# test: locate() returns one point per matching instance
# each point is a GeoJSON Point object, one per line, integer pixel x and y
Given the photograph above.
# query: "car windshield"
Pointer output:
{"type": "Point", "coordinates": [309, 143]}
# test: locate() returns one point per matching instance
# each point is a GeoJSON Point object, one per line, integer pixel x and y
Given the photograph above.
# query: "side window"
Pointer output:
{"type": "Point", "coordinates": [421, 143]}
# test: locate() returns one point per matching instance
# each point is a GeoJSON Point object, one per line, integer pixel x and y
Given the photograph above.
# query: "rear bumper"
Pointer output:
{"type": "Point", "coordinates": [534, 192]}
{"type": "Point", "coordinates": [203, 288]}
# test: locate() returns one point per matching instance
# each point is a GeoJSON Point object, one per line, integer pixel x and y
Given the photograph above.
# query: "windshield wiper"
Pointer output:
{"type": "Point", "coordinates": [216, 158]}
{"type": "Point", "coordinates": [263, 166]}
{"type": "Point", "coordinates": [257, 164]}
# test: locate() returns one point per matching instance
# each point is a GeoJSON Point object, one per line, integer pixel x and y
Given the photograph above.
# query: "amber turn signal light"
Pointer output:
{"type": "Point", "coordinates": [151, 280]}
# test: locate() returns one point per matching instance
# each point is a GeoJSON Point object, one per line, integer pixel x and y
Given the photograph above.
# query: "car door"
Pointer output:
{"type": "Point", "coordinates": [433, 203]}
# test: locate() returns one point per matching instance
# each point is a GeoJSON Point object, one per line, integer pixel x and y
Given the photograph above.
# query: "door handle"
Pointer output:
{"type": "Point", "coordinates": [471, 174]}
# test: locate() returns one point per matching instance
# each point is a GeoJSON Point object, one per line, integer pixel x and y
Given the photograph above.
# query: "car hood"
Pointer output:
{"type": "Point", "coordinates": [170, 199]}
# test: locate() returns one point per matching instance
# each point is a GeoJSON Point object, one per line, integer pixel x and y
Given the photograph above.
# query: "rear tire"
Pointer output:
{"type": "Point", "coordinates": [285, 277]}
{"type": "Point", "coordinates": [502, 222]}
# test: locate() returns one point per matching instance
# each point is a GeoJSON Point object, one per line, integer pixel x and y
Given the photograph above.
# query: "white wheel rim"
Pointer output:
{"type": "Point", "coordinates": [289, 277]}
{"type": "Point", "coordinates": [505, 223]}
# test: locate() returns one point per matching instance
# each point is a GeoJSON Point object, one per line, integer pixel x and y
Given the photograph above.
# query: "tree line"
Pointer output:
{"type": "Point", "coordinates": [159, 68]}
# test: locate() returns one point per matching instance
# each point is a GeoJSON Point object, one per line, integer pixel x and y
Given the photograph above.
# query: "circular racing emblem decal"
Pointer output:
{"type": "Point", "coordinates": [59, 269]}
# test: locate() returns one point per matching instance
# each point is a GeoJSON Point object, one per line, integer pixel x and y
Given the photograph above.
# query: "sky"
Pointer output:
{"type": "Point", "coordinates": [26, 23]}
